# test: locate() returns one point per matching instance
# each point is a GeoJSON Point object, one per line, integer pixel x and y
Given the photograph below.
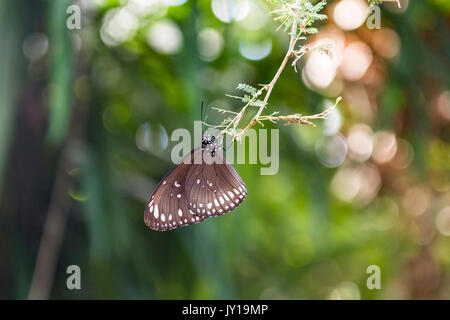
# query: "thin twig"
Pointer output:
{"type": "Point", "coordinates": [53, 233]}
{"type": "Point", "coordinates": [270, 86]}
{"type": "Point", "coordinates": [298, 118]}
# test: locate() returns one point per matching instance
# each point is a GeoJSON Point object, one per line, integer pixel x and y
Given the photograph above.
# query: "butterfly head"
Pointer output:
{"type": "Point", "coordinates": [209, 144]}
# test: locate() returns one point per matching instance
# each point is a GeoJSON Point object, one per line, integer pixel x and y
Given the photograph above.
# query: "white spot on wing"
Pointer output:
{"type": "Point", "coordinates": [216, 202]}
{"type": "Point", "coordinates": [231, 194]}
{"type": "Point", "coordinates": [163, 217]}
{"type": "Point", "coordinates": [176, 184]}
{"type": "Point", "coordinates": [170, 217]}
{"type": "Point", "coordinates": [156, 212]}
{"type": "Point", "coordinates": [178, 196]}
{"type": "Point", "coordinates": [221, 200]}
{"type": "Point", "coordinates": [209, 205]}
{"type": "Point", "coordinates": [180, 213]}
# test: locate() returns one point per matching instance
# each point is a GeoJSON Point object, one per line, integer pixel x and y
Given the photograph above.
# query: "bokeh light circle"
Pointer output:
{"type": "Point", "coordinates": [229, 10]}
{"type": "Point", "coordinates": [331, 150]}
{"type": "Point", "coordinates": [35, 46]}
{"type": "Point", "coordinates": [165, 37]}
{"type": "Point", "coordinates": [152, 137]}
{"type": "Point", "coordinates": [209, 44]}
{"type": "Point", "coordinates": [255, 51]}
{"type": "Point", "coordinates": [350, 14]}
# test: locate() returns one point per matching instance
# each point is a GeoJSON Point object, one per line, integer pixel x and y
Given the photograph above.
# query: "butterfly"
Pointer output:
{"type": "Point", "coordinates": [202, 185]}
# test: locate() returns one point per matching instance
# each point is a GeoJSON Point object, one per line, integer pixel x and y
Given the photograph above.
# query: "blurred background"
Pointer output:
{"type": "Point", "coordinates": [85, 123]}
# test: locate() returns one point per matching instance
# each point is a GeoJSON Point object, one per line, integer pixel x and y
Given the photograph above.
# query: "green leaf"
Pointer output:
{"type": "Point", "coordinates": [60, 73]}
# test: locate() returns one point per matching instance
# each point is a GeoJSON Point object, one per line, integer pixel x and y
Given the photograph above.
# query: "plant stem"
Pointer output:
{"type": "Point", "coordinates": [272, 83]}
{"type": "Point", "coordinates": [298, 118]}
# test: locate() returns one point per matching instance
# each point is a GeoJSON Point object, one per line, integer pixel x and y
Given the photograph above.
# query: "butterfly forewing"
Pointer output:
{"type": "Point", "coordinates": [190, 192]}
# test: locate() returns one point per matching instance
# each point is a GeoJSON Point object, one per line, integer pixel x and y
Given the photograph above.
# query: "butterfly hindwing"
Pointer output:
{"type": "Point", "coordinates": [167, 208]}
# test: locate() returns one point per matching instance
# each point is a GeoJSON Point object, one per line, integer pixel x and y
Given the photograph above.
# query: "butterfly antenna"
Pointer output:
{"type": "Point", "coordinates": [201, 114]}
{"type": "Point", "coordinates": [225, 148]}
{"type": "Point", "coordinates": [232, 141]}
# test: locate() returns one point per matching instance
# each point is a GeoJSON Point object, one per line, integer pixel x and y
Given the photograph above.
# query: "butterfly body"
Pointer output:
{"type": "Point", "coordinates": [202, 185]}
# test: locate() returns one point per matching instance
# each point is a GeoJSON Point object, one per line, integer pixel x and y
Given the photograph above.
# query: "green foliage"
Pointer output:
{"type": "Point", "coordinates": [60, 93]}
{"type": "Point", "coordinates": [305, 14]}
{"type": "Point", "coordinates": [250, 100]}
{"type": "Point", "coordinates": [247, 88]}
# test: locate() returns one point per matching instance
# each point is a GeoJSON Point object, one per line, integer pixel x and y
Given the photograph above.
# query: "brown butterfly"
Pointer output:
{"type": "Point", "coordinates": [202, 185]}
